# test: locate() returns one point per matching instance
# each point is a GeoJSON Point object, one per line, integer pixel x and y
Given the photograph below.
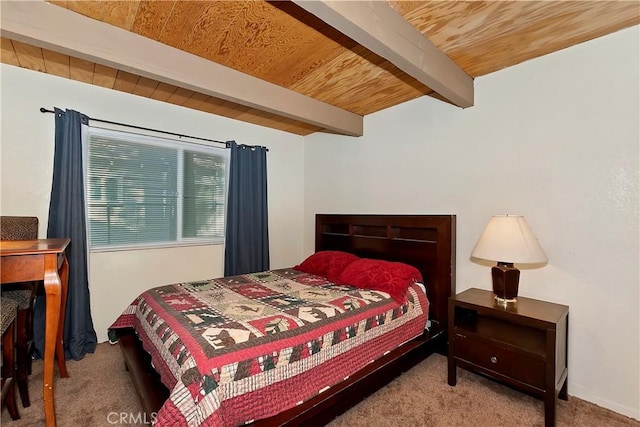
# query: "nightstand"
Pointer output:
{"type": "Point", "coordinates": [522, 345]}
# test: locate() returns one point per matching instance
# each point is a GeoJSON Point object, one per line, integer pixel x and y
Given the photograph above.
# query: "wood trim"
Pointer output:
{"type": "Point", "coordinates": [60, 30]}
{"type": "Point", "coordinates": [378, 27]}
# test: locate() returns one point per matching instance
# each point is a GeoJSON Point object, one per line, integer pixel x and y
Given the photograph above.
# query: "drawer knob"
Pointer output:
{"type": "Point", "coordinates": [494, 359]}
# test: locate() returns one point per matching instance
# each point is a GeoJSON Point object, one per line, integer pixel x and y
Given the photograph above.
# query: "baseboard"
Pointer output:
{"type": "Point", "coordinates": [585, 394]}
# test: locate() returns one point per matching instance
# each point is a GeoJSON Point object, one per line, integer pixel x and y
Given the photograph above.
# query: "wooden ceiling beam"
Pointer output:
{"type": "Point", "coordinates": [378, 27]}
{"type": "Point", "coordinates": [60, 30]}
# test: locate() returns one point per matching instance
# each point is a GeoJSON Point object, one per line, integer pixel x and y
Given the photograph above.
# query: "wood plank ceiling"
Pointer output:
{"type": "Point", "coordinates": [281, 43]}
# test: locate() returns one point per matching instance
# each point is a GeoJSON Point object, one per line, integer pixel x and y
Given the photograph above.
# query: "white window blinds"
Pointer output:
{"type": "Point", "coordinates": [149, 191]}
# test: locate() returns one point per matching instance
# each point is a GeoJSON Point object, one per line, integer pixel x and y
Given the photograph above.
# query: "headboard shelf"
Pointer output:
{"type": "Point", "coordinates": [425, 241]}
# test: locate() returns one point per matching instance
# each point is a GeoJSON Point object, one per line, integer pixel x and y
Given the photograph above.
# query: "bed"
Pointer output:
{"type": "Point", "coordinates": [426, 242]}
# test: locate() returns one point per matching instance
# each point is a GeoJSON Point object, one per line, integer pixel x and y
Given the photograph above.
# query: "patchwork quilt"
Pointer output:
{"type": "Point", "coordinates": [236, 349]}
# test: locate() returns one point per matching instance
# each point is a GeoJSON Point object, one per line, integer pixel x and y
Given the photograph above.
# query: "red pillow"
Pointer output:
{"type": "Point", "coordinates": [328, 264]}
{"type": "Point", "coordinates": [393, 278]}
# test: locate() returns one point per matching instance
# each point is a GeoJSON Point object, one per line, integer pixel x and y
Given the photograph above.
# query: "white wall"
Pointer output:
{"type": "Point", "coordinates": [116, 278]}
{"type": "Point", "coordinates": [555, 139]}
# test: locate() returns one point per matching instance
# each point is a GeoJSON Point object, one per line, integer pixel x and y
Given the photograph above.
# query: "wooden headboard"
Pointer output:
{"type": "Point", "coordinates": [428, 242]}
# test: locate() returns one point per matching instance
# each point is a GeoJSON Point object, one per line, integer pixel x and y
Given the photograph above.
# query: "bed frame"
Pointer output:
{"type": "Point", "coordinates": [424, 241]}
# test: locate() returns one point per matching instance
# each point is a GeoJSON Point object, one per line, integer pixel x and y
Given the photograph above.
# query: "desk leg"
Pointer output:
{"type": "Point", "coordinates": [64, 281]}
{"type": "Point", "coordinates": [52, 287]}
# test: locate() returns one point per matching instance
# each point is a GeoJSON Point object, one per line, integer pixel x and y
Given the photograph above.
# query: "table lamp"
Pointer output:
{"type": "Point", "coordinates": [508, 239]}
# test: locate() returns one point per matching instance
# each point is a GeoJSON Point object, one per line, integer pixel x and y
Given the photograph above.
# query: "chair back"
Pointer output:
{"type": "Point", "coordinates": [18, 227]}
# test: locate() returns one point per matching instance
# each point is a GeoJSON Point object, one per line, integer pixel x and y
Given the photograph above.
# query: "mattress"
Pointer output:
{"type": "Point", "coordinates": [236, 349]}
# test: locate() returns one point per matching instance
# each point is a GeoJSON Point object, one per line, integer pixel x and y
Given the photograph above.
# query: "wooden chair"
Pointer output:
{"type": "Point", "coordinates": [24, 294]}
{"type": "Point", "coordinates": [8, 312]}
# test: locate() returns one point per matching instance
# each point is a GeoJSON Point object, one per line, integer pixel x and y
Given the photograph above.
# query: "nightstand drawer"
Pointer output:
{"type": "Point", "coordinates": [498, 359]}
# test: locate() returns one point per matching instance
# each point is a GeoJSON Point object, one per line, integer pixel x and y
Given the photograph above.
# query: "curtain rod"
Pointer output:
{"type": "Point", "coordinates": [44, 110]}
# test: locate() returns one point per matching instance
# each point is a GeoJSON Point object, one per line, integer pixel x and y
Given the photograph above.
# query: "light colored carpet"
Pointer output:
{"type": "Point", "coordinates": [98, 393]}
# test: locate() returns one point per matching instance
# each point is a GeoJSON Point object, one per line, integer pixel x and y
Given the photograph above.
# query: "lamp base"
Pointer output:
{"type": "Point", "coordinates": [502, 302]}
{"type": "Point", "coordinates": [505, 279]}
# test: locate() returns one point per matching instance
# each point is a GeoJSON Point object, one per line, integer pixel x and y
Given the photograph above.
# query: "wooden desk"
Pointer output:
{"type": "Point", "coordinates": [34, 260]}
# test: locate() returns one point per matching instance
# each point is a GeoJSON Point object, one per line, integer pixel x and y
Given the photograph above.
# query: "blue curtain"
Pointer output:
{"type": "Point", "coordinates": [67, 219]}
{"type": "Point", "coordinates": [247, 237]}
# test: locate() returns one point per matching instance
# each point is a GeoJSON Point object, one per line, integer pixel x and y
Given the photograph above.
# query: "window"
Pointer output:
{"type": "Point", "coordinates": [146, 191]}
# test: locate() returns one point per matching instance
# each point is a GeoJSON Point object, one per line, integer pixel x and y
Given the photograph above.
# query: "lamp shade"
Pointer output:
{"type": "Point", "coordinates": [508, 238]}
